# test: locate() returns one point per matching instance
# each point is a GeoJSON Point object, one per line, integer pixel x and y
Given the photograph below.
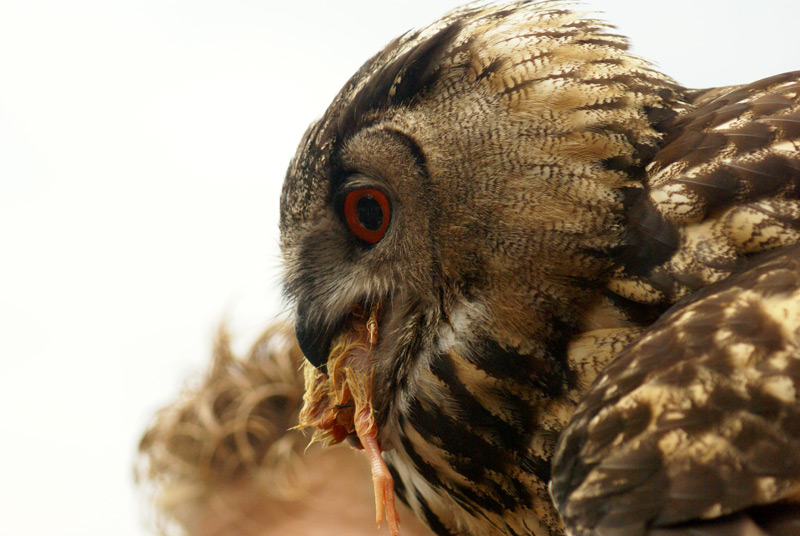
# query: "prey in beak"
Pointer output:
{"type": "Point", "coordinates": [339, 403]}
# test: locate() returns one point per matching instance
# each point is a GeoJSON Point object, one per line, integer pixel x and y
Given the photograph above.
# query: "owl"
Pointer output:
{"type": "Point", "coordinates": [547, 289]}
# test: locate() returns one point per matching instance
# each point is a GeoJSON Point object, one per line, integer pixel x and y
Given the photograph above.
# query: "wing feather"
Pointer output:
{"type": "Point", "coordinates": [724, 165]}
{"type": "Point", "coordinates": [697, 420]}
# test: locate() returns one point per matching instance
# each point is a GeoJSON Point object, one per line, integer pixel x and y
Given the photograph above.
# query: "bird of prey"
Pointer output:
{"type": "Point", "coordinates": [547, 289]}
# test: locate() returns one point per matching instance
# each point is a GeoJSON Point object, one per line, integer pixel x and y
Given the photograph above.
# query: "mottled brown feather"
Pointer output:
{"type": "Point", "coordinates": [697, 419]}
{"type": "Point", "coordinates": [552, 195]}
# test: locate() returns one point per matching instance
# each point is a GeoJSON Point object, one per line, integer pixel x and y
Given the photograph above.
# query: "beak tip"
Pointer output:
{"type": "Point", "coordinates": [314, 342]}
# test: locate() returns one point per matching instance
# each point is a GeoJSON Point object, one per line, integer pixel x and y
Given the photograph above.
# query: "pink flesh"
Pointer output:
{"type": "Point", "coordinates": [381, 478]}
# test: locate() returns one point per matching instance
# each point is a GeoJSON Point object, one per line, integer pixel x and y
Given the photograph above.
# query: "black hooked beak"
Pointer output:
{"type": "Point", "coordinates": [314, 338]}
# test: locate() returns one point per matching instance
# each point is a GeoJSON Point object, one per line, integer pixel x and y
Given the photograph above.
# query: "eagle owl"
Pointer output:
{"type": "Point", "coordinates": [547, 289]}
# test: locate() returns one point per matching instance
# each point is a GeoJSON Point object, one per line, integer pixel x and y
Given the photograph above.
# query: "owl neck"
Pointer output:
{"type": "Point", "coordinates": [483, 423]}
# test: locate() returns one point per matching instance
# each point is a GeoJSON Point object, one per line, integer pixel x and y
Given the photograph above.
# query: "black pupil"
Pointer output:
{"type": "Point", "coordinates": [369, 213]}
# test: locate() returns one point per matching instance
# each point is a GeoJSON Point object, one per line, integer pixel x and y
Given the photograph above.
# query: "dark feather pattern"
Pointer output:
{"type": "Point", "coordinates": [632, 452]}
{"type": "Point", "coordinates": [733, 154]}
{"type": "Point", "coordinates": [558, 204]}
{"type": "Point", "coordinates": [397, 82]}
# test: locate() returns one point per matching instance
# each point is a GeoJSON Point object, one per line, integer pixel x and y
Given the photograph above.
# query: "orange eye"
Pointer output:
{"type": "Point", "coordinates": [367, 214]}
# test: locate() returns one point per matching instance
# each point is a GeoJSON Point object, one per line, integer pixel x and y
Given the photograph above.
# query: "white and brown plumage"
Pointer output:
{"type": "Point", "coordinates": [537, 198]}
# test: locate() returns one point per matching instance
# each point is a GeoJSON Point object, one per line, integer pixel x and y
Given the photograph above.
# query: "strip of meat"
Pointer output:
{"type": "Point", "coordinates": [339, 406]}
{"type": "Point", "coordinates": [382, 482]}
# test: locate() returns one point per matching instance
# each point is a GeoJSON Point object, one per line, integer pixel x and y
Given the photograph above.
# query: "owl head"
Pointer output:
{"type": "Point", "coordinates": [471, 182]}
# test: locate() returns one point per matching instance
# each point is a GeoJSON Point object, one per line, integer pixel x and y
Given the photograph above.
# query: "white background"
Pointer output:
{"type": "Point", "coordinates": [142, 149]}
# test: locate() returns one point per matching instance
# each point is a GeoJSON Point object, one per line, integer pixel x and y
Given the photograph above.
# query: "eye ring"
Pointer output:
{"type": "Point", "coordinates": [367, 213]}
